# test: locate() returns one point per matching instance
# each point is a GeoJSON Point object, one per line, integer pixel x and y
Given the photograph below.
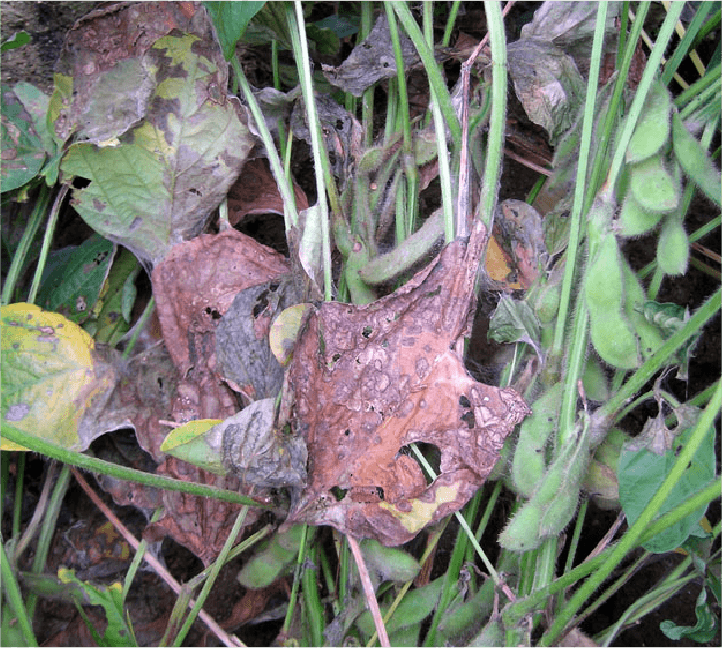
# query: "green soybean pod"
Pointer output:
{"type": "Point", "coordinates": [652, 130]}
{"type": "Point", "coordinates": [522, 531]}
{"type": "Point", "coordinates": [559, 513]}
{"type": "Point", "coordinates": [634, 220]}
{"type": "Point", "coordinates": [613, 339]}
{"type": "Point", "coordinates": [652, 186]}
{"type": "Point", "coordinates": [529, 463]}
{"type": "Point", "coordinates": [695, 161]}
{"type": "Point", "coordinates": [603, 282]}
{"type": "Point", "coordinates": [673, 246]}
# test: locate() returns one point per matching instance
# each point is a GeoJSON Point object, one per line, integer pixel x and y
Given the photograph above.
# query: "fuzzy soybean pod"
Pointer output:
{"type": "Point", "coordinates": [603, 281]}
{"type": "Point", "coordinates": [529, 463]}
{"type": "Point", "coordinates": [553, 503]}
{"type": "Point", "coordinates": [648, 335]}
{"type": "Point", "coordinates": [673, 246]}
{"type": "Point", "coordinates": [652, 130]}
{"type": "Point", "coordinates": [611, 335]}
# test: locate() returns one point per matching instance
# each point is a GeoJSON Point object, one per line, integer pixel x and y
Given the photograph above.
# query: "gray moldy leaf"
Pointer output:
{"type": "Point", "coordinates": [257, 452]}
{"type": "Point", "coordinates": [369, 380]}
{"type": "Point", "coordinates": [371, 60]}
{"type": "Point", "coordinates": [243, 353]}
{"type": "Point", "coordinates": [548, 84]}
{"type": "Point", "coordinates": [103, 54]}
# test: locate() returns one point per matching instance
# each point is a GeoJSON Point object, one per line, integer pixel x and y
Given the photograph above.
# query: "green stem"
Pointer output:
{"type": "Point", "coordinates": [497, 120]}
{"type": "Point", "coordinates": [121, 472]}
{"type": "Point", "coordinates": [14, 598]}
{"type": "Point", "coordinates": [630, 539]}
{"type": "Point", "coordinates": [436, 81]}
{"type": "Point", "coordinates": [213, 576]}
{"type": "Point", "coordinates": [290, 215]}
{"type": "Point", "coordinates": [577, 223]}
{"type": "Point", "coordinates": [16, 266]}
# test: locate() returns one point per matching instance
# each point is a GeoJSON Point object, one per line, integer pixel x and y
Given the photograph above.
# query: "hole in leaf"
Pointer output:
{"type": "Point", "coordinates": [338, 493]}
{"type": "Point", "coordinates": [367, 331]}
{"type": "Point", "coordinates": [213, 312]}
{"type": "Point", "coordinates": [464, 401]}
{"type": "Point", "coordinates": [347, 432]}
{"type": "Point", "coordinates": [469, 419]}
{"type": "Point", "coordinates": [261, 303]}
{"type": "Point", "coordinates": [430, 452]}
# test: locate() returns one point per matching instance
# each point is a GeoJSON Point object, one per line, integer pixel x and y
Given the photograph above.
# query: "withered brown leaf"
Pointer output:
{"type": "Point", "coordinates": [369, 380]}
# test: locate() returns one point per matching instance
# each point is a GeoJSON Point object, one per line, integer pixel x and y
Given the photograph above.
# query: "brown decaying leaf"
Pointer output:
{"type": "Point", "coordinates": [256, 192]}
{"type": "Point", "coordinates": [369, 380]}
{"type": "Point", "coordinates": [196, 283]}
{"type": "Point", "coordinates": [194, 286]}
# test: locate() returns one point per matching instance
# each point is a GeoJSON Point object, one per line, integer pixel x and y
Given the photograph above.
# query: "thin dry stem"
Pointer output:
{"type": "Point", "coordinates": [369, 591]}
{"type": "Point", "coordinates": [228, 640]}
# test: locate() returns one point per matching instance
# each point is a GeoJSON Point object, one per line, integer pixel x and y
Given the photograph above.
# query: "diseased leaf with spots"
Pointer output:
{"type": "Point", "coordinates": [53, 378]}
{"type": "Point", "coordinates": [75, 277]}
{"type": "Point", "coordinates": [23, 150]}
{"type": "Point", "coordinates": [370, 380]}
{"type": "Point", "coordinates": [159, 185]}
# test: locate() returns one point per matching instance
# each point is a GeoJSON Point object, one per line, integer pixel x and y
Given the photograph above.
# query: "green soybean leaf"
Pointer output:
{"type": "Point", "coordinates": [118, 632]}
{"type": "Point", "coordinates": [74, 278]}
{"type": "Point", "coordinates": [230, 20]}
{"type": "Point", "coordinates": [695, 160]}
{"type": "Point", "coordinates": [18, 39]}
{"type": "Point", "coordinates": [652, 186]}
{"type": "Point", "coordinates": [190, 443]}
{"type": "Point", "coordinates": [702, 632]}
{"type": "Point", "coordinates": [515, 321]}
{"type": "Point", "coordinates": [117, 299]}
{"type": "Point", "coordinates": [652, 130]}
{"type": "Point", "coordinates": [644, 465]}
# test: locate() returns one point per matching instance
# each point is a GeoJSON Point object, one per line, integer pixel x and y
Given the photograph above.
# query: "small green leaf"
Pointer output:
{"type": "Point", "coordinates": [514, 321]}
{"type": "Point", "coordinates": [18, 39]}
{"type": "Point", "coordinates": [642, 471]}
{"type": "Point", "coordinates": [702, 632]}
{"type": "Point", "coordinates": [190, 443]}
{"type": "Point", "coordinates": [230, 20]}
{"type": "Point", "coordinates": [284, 331]}
{"type": "Point", "coordinates": [74, 278]}
{"type": "Point", "coordinates": [117, 632]}
{"type": "Point", "coordinates": [117, 299]}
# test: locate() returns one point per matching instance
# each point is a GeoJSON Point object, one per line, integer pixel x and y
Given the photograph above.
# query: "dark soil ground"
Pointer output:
{"type": "Point", "coordinates": [83, 540]}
